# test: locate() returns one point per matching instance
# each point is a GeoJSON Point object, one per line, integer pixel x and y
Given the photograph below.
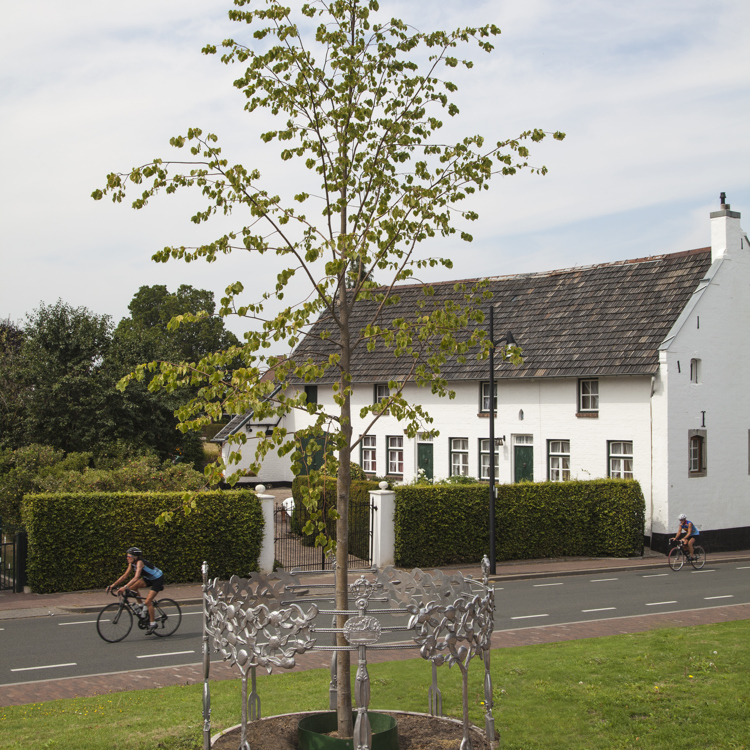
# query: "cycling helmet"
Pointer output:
{"type": "Point", "coordinates": [134, 551]}
{"type": "Point", "coordinates": [682, 516]}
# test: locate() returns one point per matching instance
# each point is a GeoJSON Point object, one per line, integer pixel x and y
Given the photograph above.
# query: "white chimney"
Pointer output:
{"type": "Point", "coordinates": [726, 235]}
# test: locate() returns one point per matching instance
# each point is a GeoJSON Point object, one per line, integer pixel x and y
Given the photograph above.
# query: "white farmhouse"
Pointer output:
{"type": "Point", "coordinates": [636, 369]}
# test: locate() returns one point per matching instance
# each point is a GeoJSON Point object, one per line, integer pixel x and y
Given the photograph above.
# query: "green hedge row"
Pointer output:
{"type": "Point", "coordinates": [78, 541]}
{"type": "Point", "coordinates": [359, 513]}
{"type": "Point", "coordinates": [444, 525]}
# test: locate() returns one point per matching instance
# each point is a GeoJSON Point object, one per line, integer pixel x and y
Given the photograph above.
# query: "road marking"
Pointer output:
{"type": "Point", "coordinates": [599, 580]}
{"type": "Point", "coordinates": [526, 617]}
{"type": "Point", "coordinates": [185, 614]}
{"type": "Point", "coordinates": [656, 575]}
{"type": "Point", "coordinates": [711, 570]}
{"type": "Point", "coordinates": [80, 622]}
{"type": "Point", "coordinates": [536, 585]}
{"type": "Point", "coordinates": [601, 609]}
{"type": "Point", "coordinates": [656, 604]}
{"type": "Point", "coordinates": [172, 653]}
{"type": "Point", "coordinates": [725, 596]}
{"type": "Point", "coordinates": [744, 567]}
{"type": "Point", "coordinates": [46, 666]}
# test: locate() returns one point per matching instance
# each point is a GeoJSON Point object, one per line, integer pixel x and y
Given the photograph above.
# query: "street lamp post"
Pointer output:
{"type": "Point", "coordinates": [507, 339]}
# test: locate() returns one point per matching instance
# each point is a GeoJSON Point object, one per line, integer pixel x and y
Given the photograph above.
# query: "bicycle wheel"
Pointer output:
{"type": "Point", "coordinates": [676, 558]}
{"type": "Point", "coordinates": [168, 616]}
{"type": "Point", "coordinates": [699, 557]}
{"type": "Point", "coordinates": [114, 623]}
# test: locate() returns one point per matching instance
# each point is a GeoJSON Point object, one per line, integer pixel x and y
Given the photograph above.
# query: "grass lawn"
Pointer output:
{"type": "Point", "coordinates": [672, 688]}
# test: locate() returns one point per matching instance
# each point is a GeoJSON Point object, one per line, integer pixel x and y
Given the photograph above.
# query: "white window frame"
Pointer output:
{"type": "Point", "coordinates": [459, 458]}
{"type": "Point", "coordinates": [395, 445]}
{"type": "Point", "coordinates": [369, 454]}
{"type": "Point", "coordinates": [484, 459]}
{"type": "Point", "coordinates": [381, 393]}
{"type": "Point", "coordinates": [619, 461]}
{"type": "Point", "coordinates": [588, 403]}
{"type": "Point", "coordinates": [484, 397]}
{"type": "Point", "coordinates": [558, 456]}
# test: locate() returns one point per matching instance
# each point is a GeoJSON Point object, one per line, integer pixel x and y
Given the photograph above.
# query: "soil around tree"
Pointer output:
{"type": "Point", "coordinates": [415, 732]}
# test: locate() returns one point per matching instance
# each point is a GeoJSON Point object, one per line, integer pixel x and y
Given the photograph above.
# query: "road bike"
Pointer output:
{"type": "Point", "coordinates": [115, 620]}
{"type": "Point", "coordinates": [680, 553]}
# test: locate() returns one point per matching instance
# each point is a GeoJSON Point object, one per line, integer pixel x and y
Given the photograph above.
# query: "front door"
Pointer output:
{"type": "Point", "coordinates": [523, 458]}
{"type": "Point", "coordinates": [424, 458]}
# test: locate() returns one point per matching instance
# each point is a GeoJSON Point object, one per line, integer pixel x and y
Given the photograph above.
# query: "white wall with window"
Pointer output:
{"type": "Point", "coordinates": [395, 455]}
{"type": "Point", "coordinates": [369, 454]}
{"type": "Point", "coordinates": [620, 454]}
{"type": "Point", "coordinates": [484, 458]}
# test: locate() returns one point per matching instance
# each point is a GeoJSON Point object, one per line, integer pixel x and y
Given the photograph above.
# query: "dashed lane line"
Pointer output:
{"type": "Point", "coordinates": [46, 666]}
{"type": "Point", "coordinates": [80, 622]}
{"type": "Point", "coordinates": [724, 596]}
{"type": "Point", "coordinates": [537, 585]}
{"type": "Point", "coordinates": [601, 580]}
{"type": "Point", "coordinates": [656, 575]}
{"type": "Point", "coordinates": [600, 609]}
{"type": "Point", "coordinates": [172, 653]}
{"type": "Point", "coordinates": [527, 617]}
{"type": "Point", "coordinates": [657, 604]}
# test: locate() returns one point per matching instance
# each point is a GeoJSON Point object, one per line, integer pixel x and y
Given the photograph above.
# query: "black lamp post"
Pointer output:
{"type": "Point", "coordinates": [507, 339]}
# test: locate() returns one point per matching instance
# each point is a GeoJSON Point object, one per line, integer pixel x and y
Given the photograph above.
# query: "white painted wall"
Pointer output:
{"type": "Point", "coordinates": [721, 341]}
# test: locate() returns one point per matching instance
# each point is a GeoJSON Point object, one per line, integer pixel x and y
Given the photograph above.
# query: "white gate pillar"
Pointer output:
{"type": "Point", "coordinates": [266, 558]}
{"type": "Point", "coordinates": [383, 529]}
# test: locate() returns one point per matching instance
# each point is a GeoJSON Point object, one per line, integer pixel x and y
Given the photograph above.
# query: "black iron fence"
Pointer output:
{"type": "Point", "coordinates": [13, 547]}
{"type": "Point", "coordinates": [293, 549]}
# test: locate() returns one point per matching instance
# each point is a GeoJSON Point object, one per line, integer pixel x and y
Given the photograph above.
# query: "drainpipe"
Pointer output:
{"type": "Point", "coordinates": [651, 426]}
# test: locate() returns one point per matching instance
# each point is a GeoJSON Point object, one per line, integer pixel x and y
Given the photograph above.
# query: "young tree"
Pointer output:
{"type": "Point", "coordinates": [361, 116]}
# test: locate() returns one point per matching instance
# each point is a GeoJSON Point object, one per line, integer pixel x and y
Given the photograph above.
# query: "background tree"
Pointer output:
{"type": "Point", "coordinates": [13, 391]}
{"type": "Point", "coordinates": [361, 115]}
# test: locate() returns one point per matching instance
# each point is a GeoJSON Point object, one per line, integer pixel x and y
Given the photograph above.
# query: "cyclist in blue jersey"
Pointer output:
{"type": "Point", "coordinates": [144, 574]}
{"type": "Point", "coordinates": [688, 531]}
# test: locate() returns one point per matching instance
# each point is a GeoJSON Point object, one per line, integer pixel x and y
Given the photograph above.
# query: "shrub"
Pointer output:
{"type": "Point", "coordinates": [77, 540]}
{"type": "Point", "coordinates": [443, 525]}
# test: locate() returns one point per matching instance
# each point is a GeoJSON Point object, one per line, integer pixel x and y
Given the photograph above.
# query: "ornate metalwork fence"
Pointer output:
{"type": "Point", "coordinates": [295, 551]}
{"type": "Point", "coordinates": [268, 620]}
{"type": "Point", "coordinates": [13, 546]}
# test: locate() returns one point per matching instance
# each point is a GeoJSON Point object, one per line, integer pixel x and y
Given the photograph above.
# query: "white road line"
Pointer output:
{"type": "Point", "coordinates": [80, 622]}
{"type": "Point", "coordinates": [725, 596]}
{"type": "Point", "coordinates": [46, 666]}
{"type": "Point", "coordinates": [744, 567]}
{"type": "Point", "coordinates": [656, 604]}
{"type": "Point", "coordinates": [173, 653]}
{"type": "Point", "coordinates": [600, 580]}
{"type": "Point", "coordinates": [656, 575]}
{"type": "Point", "coordinates": [536, 585]}
{"type": "Point", "coordinates": [527, 617]}
{"type": "Point", "coordinates": [711, 570]}
{"type": "Point", "coordinates": [185, 614]}
{"type": "Point", "coordinates": [601, 609]}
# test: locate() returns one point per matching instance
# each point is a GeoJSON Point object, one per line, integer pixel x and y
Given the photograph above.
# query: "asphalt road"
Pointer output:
{"type": "Point", "coordinates": [65, 646]}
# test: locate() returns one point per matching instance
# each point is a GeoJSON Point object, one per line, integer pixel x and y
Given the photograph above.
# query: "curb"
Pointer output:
{"type": "Point", "coordinates": [88, 608]}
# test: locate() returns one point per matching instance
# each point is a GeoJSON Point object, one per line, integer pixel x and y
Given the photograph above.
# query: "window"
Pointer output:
{"type": "Point", "coordinates": [459, 457]}
{"type": "Point", "coordinates": [311, 391]}
{"type": "Point", "coordinates": [484, 459]}
{"type": "Point", "coordinates": [396, 455]}
{"type": "Point", "coordinates": [559, 460]}
{"type": "Point", "coordinates": [382, 393]}
{"type": "Point", "coordinates": [620, 460]}
{"type": "Point", "coordinates": [697, 454]}
{"type": "Point", "coordinates": [588, 396]}
{"type": "Point", "coordinates": [368, 454]}
{"type": "Point", "coordinates": [695, 367]}
{"type": "Point", "coordinates": [484, 399]}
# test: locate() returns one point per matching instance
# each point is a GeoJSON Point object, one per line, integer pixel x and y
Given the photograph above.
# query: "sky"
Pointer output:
{"type": "Point", "coordinates": [654, 96]}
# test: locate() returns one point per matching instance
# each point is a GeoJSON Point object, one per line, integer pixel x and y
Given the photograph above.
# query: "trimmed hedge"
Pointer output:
{"type": "Point", "coordinates": [359, 513]}
{"type": "Point", "coordinates": [78, 541]}
{"type": "Point", "coordinates": [444, 525]}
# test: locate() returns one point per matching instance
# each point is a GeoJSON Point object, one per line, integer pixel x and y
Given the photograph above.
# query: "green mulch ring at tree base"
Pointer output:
{"type": "Point", "coordinates": [679, 688]}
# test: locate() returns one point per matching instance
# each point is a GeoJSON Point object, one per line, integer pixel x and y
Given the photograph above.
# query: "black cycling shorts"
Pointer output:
{"type": "Point", "coordinates": [157, 584]}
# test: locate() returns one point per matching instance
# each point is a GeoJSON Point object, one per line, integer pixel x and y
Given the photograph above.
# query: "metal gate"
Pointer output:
{"type": "Point", "coordinates": [294, 549]}
{"type": "Point", "coordinates": [12, 558]}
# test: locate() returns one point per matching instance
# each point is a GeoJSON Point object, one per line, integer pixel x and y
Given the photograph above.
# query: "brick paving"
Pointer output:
{"type": "Point", "coordinates": [29, 605]}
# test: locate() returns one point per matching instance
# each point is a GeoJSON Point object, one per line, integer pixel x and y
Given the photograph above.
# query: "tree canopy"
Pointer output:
{"type": "Point", "coordinates": [359, 102]}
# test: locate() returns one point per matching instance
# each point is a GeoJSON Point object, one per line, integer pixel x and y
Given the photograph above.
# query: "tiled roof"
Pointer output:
{"type": "Point", "coordinates": [607, 319]}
